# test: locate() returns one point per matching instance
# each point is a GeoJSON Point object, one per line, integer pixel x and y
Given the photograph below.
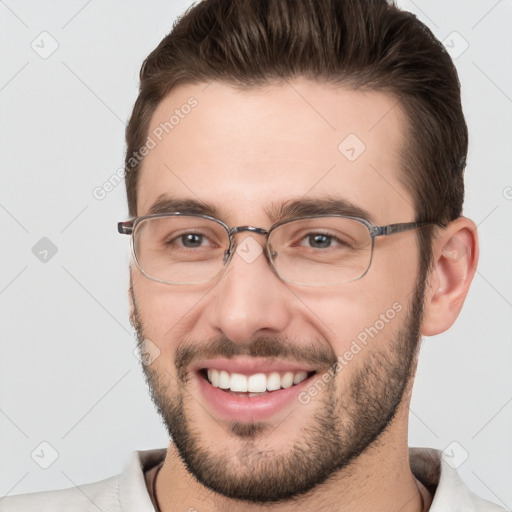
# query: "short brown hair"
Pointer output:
{"type": "Point", "coordinates": [368, 44]}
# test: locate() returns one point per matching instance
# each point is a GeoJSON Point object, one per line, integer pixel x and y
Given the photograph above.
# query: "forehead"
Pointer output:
{"type": "Point", "coordinates": [245, 151]}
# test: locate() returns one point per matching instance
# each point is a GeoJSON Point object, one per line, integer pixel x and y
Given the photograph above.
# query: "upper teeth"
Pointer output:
{"type": "Point", "coordinates": [257, 383]}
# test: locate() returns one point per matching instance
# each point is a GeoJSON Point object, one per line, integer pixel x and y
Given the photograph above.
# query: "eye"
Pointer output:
{"type": "Point", "coordinates": [191, 240]}
{"type": "Point", "coordinates": [319, 241]}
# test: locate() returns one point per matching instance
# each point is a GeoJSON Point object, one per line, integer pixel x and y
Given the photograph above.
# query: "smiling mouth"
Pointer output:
{"type": "Point", "coordinates": [256, 384]}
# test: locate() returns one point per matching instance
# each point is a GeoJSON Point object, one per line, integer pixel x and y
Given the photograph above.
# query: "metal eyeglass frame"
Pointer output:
{"type": "Point", "coordinates": [128, 228]}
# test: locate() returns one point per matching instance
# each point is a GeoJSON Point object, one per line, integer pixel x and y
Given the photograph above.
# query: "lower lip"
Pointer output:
{"type": "Point", "coordinates": [245, 408]}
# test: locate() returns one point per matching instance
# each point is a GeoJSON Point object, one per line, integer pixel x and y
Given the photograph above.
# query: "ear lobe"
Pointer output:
{"type": "Point", "coordinates": [455, 256]}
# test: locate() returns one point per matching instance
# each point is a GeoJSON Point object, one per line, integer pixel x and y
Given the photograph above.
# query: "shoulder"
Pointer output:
{"type": "Point", "coordinates": [435, 470]}
{"type": "Point", "coordinates": [102, 495]}
{"type": "Point", "coordinates": [124, 492]}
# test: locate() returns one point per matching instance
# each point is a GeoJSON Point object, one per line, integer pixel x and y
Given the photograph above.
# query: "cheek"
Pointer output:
{"type": "Point", "coordinates": [166, 312]}
{"type": "Point", "coordinates": [371, 308]}
{"type": "Point", "coordinates": [350, 315]}
{"type": "Point", "coordinates": [394, 269]}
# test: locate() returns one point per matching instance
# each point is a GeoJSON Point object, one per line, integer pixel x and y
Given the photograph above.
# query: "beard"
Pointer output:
{"type": "Point", "coordinates": [344, 424]}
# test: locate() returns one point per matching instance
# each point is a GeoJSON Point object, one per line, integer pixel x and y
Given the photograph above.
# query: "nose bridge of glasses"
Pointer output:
{"type": "Point", "coordinates": [251, 229]}
{"type": "Point", "coordinates": [241, 229]}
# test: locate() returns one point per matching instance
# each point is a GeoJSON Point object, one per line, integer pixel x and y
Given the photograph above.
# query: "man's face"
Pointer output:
{"type": "Point", "coordinates": [247, 153]}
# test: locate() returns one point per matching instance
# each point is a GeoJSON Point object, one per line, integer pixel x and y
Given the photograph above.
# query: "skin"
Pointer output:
{"type": "Point", "coordinates": [243, 151]}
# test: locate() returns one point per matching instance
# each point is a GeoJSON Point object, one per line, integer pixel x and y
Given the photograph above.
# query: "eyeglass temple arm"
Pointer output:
{"type": "Point", "coordinates": [125, 228]}
{"type": "Point", "coordinates": [391, 229]}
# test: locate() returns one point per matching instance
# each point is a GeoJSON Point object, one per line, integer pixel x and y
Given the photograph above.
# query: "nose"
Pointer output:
{"type": "Point", "coordinates": [249, 299]}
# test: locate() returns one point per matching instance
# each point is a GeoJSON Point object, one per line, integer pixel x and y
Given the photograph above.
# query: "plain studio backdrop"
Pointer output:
{"type": "Point", "coordinates": [74, 404]}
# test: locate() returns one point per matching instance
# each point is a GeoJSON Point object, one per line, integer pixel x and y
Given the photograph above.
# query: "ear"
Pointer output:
{"type": "Point", "coordinates": [455, 257]}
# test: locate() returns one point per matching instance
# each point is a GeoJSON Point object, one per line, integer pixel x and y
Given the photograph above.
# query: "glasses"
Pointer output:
{"type": "Point", "coordinates": [316, 250]}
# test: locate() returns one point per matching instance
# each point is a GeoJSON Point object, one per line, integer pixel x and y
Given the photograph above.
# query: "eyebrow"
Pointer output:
{"type": "Point", "coordinates": [316, 206]}
{"type": "Point", "coordinates": [166, 204]}
{"type": "Point", "coordinates": [276, 211]}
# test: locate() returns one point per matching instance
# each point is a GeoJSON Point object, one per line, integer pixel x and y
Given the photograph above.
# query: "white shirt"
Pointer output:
{"type": "Point", "coordinates": [127, 492]}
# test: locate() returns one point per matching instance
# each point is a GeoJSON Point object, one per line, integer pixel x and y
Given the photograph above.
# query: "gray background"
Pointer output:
{"type": "Point", "coordinates": [68, 374]}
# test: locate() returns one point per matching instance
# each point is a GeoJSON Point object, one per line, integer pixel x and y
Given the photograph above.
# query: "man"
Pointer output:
{"type": "Point", "coordinates": [294, 173]}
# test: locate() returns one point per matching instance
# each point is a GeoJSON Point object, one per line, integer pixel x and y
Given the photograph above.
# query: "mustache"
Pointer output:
{"type": "Point", "coordinates": [319, 356]}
